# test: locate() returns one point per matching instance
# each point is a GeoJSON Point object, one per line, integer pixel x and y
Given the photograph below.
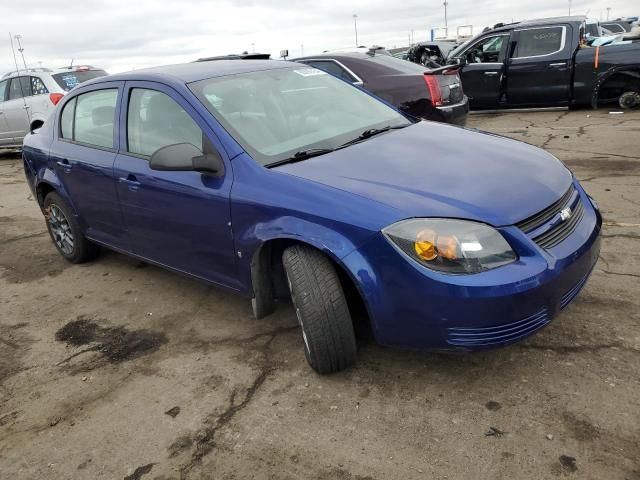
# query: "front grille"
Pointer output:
{"type": "Point", "coordinates": [561, 231]}
{"type": "Point", "coordinates": [547, 214]}
{"type": "Point", "coordinates": [505, 333]}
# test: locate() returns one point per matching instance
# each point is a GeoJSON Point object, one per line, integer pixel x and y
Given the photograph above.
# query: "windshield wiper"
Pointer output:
{"type": "Point", "coordinates": [301, 155]}
{"type": "Point", "coordinates": [372, 132]}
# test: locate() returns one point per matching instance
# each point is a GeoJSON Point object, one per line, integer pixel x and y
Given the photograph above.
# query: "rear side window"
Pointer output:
{"type": "Point", "coordinates": [332, 68]}
{"type": "Point", "coordinates": [155, 120]}
{"type": "Point", "coordinates": [37, 86]}
{"type": "Point", "coordinates": [536, 42]}
{"type": "Point", "coordinates": [20, 87]}
{"type": "Point", "coordinates": [89, 118]}
{"type": "Point", "coordinates": [68, 80]}
{"type": "Point", "coordinates": [3, 90]}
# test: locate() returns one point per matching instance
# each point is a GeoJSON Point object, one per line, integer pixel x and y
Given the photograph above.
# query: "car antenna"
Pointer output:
{"type": "Point", "coordinates": [15, 60]}
{"type": "Point", "coordinates": [71, 65]}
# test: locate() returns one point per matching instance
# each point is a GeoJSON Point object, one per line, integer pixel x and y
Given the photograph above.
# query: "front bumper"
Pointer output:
{"type": "Point", "coordinates": [410, 305]}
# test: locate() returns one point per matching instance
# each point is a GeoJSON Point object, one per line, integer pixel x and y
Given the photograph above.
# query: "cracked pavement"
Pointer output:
{"type": "Point", "coordinates": [93, 358]}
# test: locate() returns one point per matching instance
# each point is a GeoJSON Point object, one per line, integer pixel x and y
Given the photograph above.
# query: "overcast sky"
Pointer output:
{"type": "Point", "coordinates": [121, 35]}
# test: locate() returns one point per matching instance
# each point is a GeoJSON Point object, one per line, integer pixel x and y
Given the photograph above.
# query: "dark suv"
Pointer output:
{"type": "Point", "coordinates": [430, 94]}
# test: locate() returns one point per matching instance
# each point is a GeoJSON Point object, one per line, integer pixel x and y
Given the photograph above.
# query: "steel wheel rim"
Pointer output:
{"type": "Point", "coordinates": [60, 230]}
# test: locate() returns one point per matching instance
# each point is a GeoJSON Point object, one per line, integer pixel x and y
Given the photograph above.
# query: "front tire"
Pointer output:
{"type": "Point", "coordinates": [65, 231]}
{"type": "Point", "coordinates": [321, 308]}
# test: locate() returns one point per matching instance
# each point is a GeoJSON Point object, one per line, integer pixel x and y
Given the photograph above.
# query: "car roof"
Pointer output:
{"type": "Point", "coordinates": [541, 22]}
{"type": "Point", "coordinates": [192, 72]}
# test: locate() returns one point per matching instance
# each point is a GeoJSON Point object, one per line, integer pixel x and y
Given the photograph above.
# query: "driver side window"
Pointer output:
{"type": "Point", "coordinates": [155, 120]}
{"type": "Point", "coordinates": [487, 50]}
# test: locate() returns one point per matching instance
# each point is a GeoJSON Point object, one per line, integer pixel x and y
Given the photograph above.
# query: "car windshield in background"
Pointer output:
{"type": "Point", "coordinates": [68, 80]}
{"type": "Point", "coordinates": [276, 113]}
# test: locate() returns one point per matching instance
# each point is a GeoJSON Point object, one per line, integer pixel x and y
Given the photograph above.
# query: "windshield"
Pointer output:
{"type": "Point", "coordinates": [276, 113]}
{"type": "Point", "coordinates": [68, 80]}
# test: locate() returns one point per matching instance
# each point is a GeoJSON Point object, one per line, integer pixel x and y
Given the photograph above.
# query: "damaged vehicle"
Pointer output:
{"type": "Point", "coordinates": [431, 54]}
{"type": "Point", "coordinates": [431, 94]}
{"type": "Point", "coordinates": [278, 181]}
{"type": "Point", "coordinates": [546, 63]}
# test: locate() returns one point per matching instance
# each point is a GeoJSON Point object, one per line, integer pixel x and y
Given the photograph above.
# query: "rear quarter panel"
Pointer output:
{"type": "Point", "coordinates": [589, 75]}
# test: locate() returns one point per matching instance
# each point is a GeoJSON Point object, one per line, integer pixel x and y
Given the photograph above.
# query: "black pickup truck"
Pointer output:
{"type": "Point", "coordinates": [546, 63]}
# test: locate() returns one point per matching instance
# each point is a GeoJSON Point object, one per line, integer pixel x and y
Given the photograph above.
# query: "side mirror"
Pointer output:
{"type": "Point", "coordinates": [186, 157]}
{"type": "Point", "coordinates": [460, 61]}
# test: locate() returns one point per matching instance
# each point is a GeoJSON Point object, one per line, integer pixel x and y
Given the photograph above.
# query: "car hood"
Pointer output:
{"type": "Point", "coordinates": [430, 169]}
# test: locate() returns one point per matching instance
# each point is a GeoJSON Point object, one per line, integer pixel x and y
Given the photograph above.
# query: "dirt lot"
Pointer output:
{"type": "Point", "coordinates": [116, 369]}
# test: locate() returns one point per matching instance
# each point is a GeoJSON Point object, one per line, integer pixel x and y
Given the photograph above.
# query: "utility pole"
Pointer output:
{"type": "Point", "coordinates": [569, 7]}
{"type": "Point", "coordinates": [446, 25]}
{"type": "Point", "coordinates": [355, 26]}
{"type": "Point", "coordinates": [608, 10]}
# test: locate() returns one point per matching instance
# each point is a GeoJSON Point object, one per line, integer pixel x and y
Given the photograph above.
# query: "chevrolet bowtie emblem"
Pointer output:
{"type": "Point", "coordinates": [565, 214]}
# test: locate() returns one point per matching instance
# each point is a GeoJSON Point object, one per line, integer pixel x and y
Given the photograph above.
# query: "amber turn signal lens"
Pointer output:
{"type": "Point", "coordinates": [425, 245]}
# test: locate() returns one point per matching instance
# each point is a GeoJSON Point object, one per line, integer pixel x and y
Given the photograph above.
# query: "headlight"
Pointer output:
{"type": "Point", "coordinates": [451, 246]}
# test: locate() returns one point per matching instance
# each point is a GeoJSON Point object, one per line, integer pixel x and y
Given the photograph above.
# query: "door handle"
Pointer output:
{"type": "Point", "coordinates": [491, 74]}
{"type": "Point", "coordinates": [131, 181]}
{"type": "Point", "coordinates": [560, 64]}
{"type": "Point", "coordinates": [26, 107]}
{"type": "Point", "coordinates": [64, 163]}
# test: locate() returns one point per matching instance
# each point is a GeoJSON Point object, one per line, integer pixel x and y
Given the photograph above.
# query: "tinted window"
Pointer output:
{"type": "Point", "coordinates": [68, 80]}
{"type": "Point", "coordinates": [155, 120]}
{"type": "Point", "coordinates": [397, 64]}
{"type": "Point", "coordinates": [3, 89]}
{"type": "Point", "coordinates": [487, 50]}
{"type": "Point", "coordinates": [276, 113]}
{"type": "Point", "coordinates": [94, 118]}
{"type": "Point", "coordinates": [332, 68]}
{"type": "Point", "coordinates": [37, 87]}
{"type": "Point", "coordinates": [592, 29]}
{"type": "Point", "coordinates": [66, 120]}
{"type": "Point", "coordinates": [539, 41]}
{"type": "Point", "coordinates": [20, 87]}
{"type": "Point", "coordinates": [614, 27]}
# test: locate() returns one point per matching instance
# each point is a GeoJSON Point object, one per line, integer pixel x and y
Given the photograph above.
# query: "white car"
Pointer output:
{"type": "Point", "coordinates": [28, 96]}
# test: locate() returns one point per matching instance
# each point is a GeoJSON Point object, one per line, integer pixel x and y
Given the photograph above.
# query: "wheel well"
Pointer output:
{"type": "Point", "coordinates": [618, 83]}
{"type": "Point", "coordinates": [42, 190]}
{"type": "Point", "coordinates": [267, 267]}
{"type": "Point", "coordinates": [36, 124]}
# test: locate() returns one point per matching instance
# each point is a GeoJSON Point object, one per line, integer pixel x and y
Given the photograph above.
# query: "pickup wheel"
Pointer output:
{"type": "Point", "coordinates": [65, 231]}
{"type": "Point", "coordinates": [321, 308]}
{"type": "Point", "coordinates": [629, 100]}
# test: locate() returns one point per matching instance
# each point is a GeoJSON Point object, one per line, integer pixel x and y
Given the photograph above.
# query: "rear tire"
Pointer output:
{"type": "Point", "coordinates": [321, 308]}
{"type": "Point", "coordinates": [65, 231]}
{"type": "Point", "coordinates": [629, 99]}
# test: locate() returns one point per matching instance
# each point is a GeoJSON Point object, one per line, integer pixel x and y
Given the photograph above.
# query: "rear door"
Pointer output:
{"type": "Point", "coordinates": [16, 107]}
{"type": "Point", "coordinates": [83, 153]}
{"type": "Point", "coordinates": [539, 70]}
{"type": "Point", "coordinates": [483, 70]}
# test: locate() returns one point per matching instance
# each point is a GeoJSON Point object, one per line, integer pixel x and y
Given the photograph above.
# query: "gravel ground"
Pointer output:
{"type": "Point", "coordinates": [120, 370]}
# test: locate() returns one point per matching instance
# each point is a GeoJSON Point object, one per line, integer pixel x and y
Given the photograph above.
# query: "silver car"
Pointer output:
{"type": "Point", "coordinates": [28, 96]}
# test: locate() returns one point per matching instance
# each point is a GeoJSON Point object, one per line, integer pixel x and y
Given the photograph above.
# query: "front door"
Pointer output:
{"type": "Point", "coordinates": [483, 70]}
{"type": "Point", "coordinates": [5, 135]}
{"type": "Point", "coordinates": [539, 70]}
{"type": "Point", "coordinates": [176, 218]}
{"type": "Point", "coordinates": [83, 153]}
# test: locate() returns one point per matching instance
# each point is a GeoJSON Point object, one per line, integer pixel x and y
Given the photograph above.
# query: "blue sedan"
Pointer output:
{"type": "Point", "coordinates": [278, 181]}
